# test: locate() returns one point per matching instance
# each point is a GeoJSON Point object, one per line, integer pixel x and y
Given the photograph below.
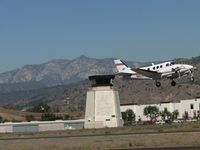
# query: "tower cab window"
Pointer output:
{"type": "Point", "coordinates": [191, 106]}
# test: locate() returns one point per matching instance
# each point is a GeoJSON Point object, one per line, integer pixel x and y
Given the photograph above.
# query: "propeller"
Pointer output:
{"type": "Point", "coordinates": [192, 74]}
{"type": "Point", "coordinates": [177, 70]}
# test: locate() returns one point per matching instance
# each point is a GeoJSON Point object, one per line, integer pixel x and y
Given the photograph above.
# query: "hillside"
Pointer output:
{"type": "Point", "coordinates": [16, 115]}
{"type": "Point", "coordinates": [11, 115]}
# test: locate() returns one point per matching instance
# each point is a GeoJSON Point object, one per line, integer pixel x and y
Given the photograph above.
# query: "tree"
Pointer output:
{"type": "Point", "coordinates": [68, 117]}
{"type": "Point", "coordinates": [165, 114]}
{"type": "Point", "coordinates": [175, 114]}
{"type": "Point", "coordinates": [30, 118]}
{"type": "Point", "coordinates": [48, 117]}
{"type": "Point", "coordinates": [42, 107]}
{"type": "Point", "coordinates": [198, 114]}
{"type": "Point", "coordinates": [195, 115]}
{"type": "Point", "coordinates": [152, 112]}
{"type": "Point", "coordinates": [128, 116]}
{"type": "Point", "coordinates": [1, 119]}
{"type": "Point", "coordinates": [185, 115]}
{"type": "Point", "coordinates": [124, 117]}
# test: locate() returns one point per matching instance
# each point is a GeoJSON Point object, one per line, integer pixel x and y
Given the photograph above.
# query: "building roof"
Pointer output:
{"type": "Point", "coordinates": [101, 80]}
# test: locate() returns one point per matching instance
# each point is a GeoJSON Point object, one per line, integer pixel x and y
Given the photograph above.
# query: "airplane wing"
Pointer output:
{"type": "Point", "coordinates": [123, 74]}
{"type": "Point", "coordinates": [148, 73]}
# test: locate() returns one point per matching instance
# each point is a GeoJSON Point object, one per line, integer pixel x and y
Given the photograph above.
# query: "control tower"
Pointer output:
{"type": "Point", "coordinates": [102, 103]}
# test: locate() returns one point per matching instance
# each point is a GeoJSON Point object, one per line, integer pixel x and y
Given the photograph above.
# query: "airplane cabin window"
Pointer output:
{"type": "Point", "coordinates": [154, 68]}
{"type": "Point", "coordinates": [157, 67]}
{"type": "Point", "coordinates": [167, 65]}
{"type": "Point", "coordinates": [160, 66]}
{"type": "Point", "coordinates": [148, 69]}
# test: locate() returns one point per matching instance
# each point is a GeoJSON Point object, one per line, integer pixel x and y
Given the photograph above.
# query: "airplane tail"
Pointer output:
{"type": "Point", "coordinates": [127, 72]}
{"type": "Point", "coordinates": [120, 65]}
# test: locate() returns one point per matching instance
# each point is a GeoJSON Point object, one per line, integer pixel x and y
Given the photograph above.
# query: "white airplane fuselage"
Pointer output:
{"type": "Point", "coordinates": [170, 70]}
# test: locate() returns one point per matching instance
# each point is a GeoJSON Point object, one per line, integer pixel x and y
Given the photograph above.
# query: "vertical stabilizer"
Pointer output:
{"type": "Point", "coordinates": [120, 65]}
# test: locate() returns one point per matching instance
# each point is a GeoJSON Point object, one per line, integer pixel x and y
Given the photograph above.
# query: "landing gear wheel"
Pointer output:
{"type": "Point", "coordinates": [158, 84]}
{"type": "Point", "coordinates": [173, 83]}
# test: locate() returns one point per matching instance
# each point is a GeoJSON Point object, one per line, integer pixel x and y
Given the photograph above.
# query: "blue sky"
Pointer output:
{"type": "Point", "coordinates": [36, 31]}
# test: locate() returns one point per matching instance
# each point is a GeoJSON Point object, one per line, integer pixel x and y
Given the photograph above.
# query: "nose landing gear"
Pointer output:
{"type": "Point", "coordinates": [158, 84]}
{"type": "Point", "coordinates": [173, 83]}
{"type": "Point", "coordinates": [192, 78]}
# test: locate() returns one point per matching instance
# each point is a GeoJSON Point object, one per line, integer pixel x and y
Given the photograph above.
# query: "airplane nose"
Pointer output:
{"type": "Point", "coordinates": [195, 68]}
{"type": "Point", "coordinates": [189, 66]}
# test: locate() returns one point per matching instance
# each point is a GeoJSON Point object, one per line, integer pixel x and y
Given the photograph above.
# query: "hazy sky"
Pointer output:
{"type": "Point", "coordinates": [35, 31]}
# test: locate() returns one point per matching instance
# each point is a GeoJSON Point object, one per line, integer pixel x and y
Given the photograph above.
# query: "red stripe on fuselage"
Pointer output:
{"type": "Point", "coordinates": [120, 65]}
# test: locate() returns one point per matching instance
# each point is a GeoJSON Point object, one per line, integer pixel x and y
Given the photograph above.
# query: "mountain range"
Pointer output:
{"type": "Point", "coordinates": [60, 71]}
{"type": "Point", "coordinates": [63, 84]}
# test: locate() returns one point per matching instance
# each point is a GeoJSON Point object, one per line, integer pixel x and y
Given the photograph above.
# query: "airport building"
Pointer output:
{"type": "Point", "coordinates": [36, 126]}
{"type": "Point", "coordinates": [190, 107]}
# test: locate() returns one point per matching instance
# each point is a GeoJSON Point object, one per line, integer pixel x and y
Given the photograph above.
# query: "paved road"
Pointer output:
{"type": "Point", "coordinates": [164, 148]}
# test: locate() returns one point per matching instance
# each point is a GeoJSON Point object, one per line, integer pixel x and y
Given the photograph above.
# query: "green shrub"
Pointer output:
{"type": "Point", "coordinates": [30, 118]}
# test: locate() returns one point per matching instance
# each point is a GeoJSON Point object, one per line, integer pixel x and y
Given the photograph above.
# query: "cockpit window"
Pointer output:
{"type": "Point", "coordinates": [172, 63]}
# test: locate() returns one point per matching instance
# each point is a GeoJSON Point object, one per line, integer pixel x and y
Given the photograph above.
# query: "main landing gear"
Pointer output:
{"type": "Point", "coordinates": [192, 78]}
{"type": "Point", "coordinates": [173, 83]}
{"type": "Point", "coordinates": [158, 84]}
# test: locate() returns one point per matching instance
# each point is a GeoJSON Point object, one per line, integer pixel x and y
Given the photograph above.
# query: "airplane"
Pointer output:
{"type": "Point", "coordinates": [156, 72]}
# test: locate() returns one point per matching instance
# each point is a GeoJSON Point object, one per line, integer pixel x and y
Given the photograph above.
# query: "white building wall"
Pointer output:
{"type": "Point", "coordinates": [6, 128]}
{"type": "Point", "coordinates": [42, 125]}
{"type": "Point", "coordinates": [51, 126]}
{"type": "Point", "coordinates": [186, 107]}
{"type": "Point", "coordinates": [182, 106]}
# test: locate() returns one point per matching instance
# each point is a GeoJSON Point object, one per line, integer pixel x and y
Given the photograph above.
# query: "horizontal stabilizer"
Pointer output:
{"type": "Point", "coordinates": [123, 74]}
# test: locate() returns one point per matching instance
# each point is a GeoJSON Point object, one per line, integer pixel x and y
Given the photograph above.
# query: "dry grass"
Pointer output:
{"type": "Point", "coordinates": [16, 115]}
{"type": "Point", "coordinates": [105, 142]}
{"type": "Point", "coordinates": [10, 114]}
